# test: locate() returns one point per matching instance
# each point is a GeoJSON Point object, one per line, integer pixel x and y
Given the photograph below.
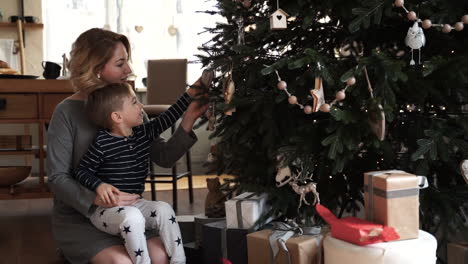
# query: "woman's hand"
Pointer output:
{"type": "Point", "coordinates": [194, 111]}
{"type": "Point", "coordinates": [121, 199]}
{"type": "Point", "coordinates": [195, 89]}
{"type": "Point", "coordinates": [202, 85]}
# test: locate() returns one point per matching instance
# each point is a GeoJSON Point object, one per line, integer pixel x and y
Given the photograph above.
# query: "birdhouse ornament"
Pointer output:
{"type": "Point", "coordinates": [415, 39]}
{"type": "Point", "coordinates": [278, 20]}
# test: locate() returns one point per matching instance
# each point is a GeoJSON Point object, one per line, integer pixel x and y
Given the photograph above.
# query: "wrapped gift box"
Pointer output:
{"type": "Point", "coordinates": [303, 249]}
{"type": "Point", "coordinates": [214, 242]}
{"type": "Point", "coordinates": [392, 199]}
{"type": "Point", "coordinates": [221, 242]}
{"type": "Point", "coordinates": [201, 220]}
{"type": "Point", "coordinates": [187, 227]}
{"type": "Point", "coordinates": [245, 209]}
{"type": "Point", "coordinates": [236, 242]}
{"type": "Point", "coordinates": [193, 254]}
{"type": "Point", "coordinates": [457, 253]}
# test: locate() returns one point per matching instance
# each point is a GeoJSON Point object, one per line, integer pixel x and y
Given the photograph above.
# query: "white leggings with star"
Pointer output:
{"type": "Point", "coordinates": [130, 222]}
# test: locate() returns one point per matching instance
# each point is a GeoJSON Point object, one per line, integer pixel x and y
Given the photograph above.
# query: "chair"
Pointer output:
{"type": "Point", "coordinates": [166, 81]}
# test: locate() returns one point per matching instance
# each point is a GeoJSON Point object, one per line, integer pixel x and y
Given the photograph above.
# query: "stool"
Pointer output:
{"type": "Point", "coordinates": [166, 82]}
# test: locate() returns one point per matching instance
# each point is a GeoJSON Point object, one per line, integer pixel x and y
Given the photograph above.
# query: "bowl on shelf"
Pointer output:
{"type": "Point", "coordinates": [10, 175]}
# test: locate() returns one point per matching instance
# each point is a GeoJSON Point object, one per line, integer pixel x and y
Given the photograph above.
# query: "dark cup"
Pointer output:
{"type": "Point", "coordinates": [30, 19]}
{"type": "Point", "coordinates": [13, 19]}
{"type": "Point", "coordinates": [51, 70]}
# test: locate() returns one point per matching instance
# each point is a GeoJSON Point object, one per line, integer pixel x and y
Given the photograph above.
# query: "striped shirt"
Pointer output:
{"type": "Point", "coordinates": [123, 161]}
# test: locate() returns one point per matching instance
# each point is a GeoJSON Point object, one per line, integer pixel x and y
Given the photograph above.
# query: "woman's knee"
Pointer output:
{"type": "Point", "coordinates": [112, 255]}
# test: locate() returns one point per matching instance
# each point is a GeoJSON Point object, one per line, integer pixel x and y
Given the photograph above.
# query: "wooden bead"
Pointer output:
{"type": "Point", "coordinates": [351, 81]}
{"type": "Point", "coordinates": [247, 3]}
{"type": "Point", "coordinates": [465, 19]}
{"type": "Point", "coordinates": [282, 85]}
{"type": "Point", "coordinates": [292, 99]}
{"type": "Point", "coordinates": [325, 108]}
{"type": "Point", "coordinates": [446, 28]}
{"type": "Point", "coordinates": [426, 24]}
{"type": "Point", "coordinates": [412, 15]}
{"type": "Point", "coordinates": [340, 95]}
{"type": "Point", "coordinates": [399, 3]}
{"type": "Point", "coordinates": [459, 26]}
{"type": "Point", "coordinates": [308, 109]}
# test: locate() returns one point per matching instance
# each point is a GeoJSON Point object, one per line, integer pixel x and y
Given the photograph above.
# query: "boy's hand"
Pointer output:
{"type": "Point", "coordinates": [107, 192]}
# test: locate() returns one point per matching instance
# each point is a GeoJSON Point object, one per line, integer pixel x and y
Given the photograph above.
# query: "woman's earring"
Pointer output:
{"type": "Point", "coordinates": [99, 76]}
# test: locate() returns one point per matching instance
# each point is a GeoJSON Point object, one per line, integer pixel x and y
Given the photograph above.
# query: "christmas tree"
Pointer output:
{"type": "Point", "coordinates": [348, 87]}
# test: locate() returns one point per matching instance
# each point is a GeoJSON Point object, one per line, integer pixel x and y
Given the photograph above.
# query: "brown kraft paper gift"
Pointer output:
{"type": "Point", "coordinates": [305, 249]}
{"type": "Point", "coordinates": [392, 198]}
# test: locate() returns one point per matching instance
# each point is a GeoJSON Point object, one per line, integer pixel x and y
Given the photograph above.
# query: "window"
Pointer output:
{"type": "Point", "coordinates": [160, 29]}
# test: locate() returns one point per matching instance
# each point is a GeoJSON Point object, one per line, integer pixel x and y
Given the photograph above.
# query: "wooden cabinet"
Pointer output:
{"type": "Point", "coordinates": [30, 101]}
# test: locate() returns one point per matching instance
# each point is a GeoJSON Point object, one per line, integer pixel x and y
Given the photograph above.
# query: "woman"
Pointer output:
{"type": "Point", "coordinates": [98, 57]}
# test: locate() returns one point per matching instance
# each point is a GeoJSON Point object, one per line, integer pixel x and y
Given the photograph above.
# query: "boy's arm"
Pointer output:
{"type": "Point", "coordinates": [89, 164]}
{"type": "Point", "coordinates": [166, 119]}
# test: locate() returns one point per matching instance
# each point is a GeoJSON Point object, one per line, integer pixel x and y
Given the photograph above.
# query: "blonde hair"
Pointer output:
{"type": "Point", "coordinates": [103, 101]}
{"type": "Point", "coordinates": [90, 52]}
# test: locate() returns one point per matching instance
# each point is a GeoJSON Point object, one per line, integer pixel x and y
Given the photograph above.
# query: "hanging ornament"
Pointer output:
{"type": "Point", "coordinates": [377, 125]}
{"type": "Point", "coordinates": [206, 82]}
{"type": "Point", "coordinates": [229, 89]}
{"type": "Point", "coordinates": [426, 24]}
{"type": "Point", "coordinates": [240, 31]}
{"type": "Point", "coordinates": [283, 176]}
{"type": "Point", "coordinates": [283, 173]}
{"type": "Point", "coordinates": [415, 39]}
{"type": "Point", "coordinates": [317, 94]}
{"type": "Point", "coordinates": [278, 20]}
{"type": "Point", "coordinates": [139, 29]}
{"type": "Point", "coordinates": [464, 170]}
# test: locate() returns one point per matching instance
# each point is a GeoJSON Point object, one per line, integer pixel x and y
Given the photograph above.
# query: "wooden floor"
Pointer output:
{"type": "Point", "coordinates": [25, 231]}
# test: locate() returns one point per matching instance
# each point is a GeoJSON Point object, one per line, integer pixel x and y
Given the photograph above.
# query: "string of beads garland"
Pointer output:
{"type": "Point", "coordinates": [426, 23]}
{"type": "Point", "coordinates": [317, 93]}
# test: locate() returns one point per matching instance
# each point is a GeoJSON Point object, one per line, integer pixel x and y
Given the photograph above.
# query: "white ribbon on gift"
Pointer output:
{"type": "Point", "coordinates": [283, 231]}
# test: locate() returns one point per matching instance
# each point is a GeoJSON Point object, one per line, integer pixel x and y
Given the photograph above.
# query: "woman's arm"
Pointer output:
{"type": "Point", "coordinates": [60, 165]}
{"type": "Point", "coordinates": [166, 153]}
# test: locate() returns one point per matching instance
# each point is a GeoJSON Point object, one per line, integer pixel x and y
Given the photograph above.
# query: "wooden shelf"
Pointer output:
{"type": "Point", "coordinates": [30, 101]}
{"type": "Point", "coordinates": [30, 188]}
{"type": "Point", "coordinates": [19, 152]}
{"type": "Point", "coordinates": [25, 25]}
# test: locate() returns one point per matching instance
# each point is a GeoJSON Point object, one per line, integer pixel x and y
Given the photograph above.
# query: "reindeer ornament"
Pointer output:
{"type": "Point", "coordinates": [285, 176]}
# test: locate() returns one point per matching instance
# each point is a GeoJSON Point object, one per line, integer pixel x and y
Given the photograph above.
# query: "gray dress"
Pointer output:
{"type": "Point", "coordinates": [69, 135]}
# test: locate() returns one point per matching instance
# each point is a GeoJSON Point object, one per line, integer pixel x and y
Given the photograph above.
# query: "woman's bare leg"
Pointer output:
{"type": "Point", "coordinates": [157, 251]}
{"type": "Point", "coordinates": [112, 255]}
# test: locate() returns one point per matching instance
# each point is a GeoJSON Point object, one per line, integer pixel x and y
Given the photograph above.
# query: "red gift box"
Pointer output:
{"type": "Point", "coordinates": [355, 230]}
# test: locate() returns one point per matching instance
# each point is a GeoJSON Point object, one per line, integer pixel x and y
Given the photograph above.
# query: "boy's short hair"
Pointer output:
{"type": "Point", "coordinates": [103, 101]}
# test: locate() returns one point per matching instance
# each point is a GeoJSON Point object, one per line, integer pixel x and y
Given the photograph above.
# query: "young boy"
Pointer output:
{"type": "Point", "coordinates": [118, 159]}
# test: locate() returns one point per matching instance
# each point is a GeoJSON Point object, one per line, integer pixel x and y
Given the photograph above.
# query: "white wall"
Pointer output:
{"type": "Point", "coordinates": [35, 55]}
